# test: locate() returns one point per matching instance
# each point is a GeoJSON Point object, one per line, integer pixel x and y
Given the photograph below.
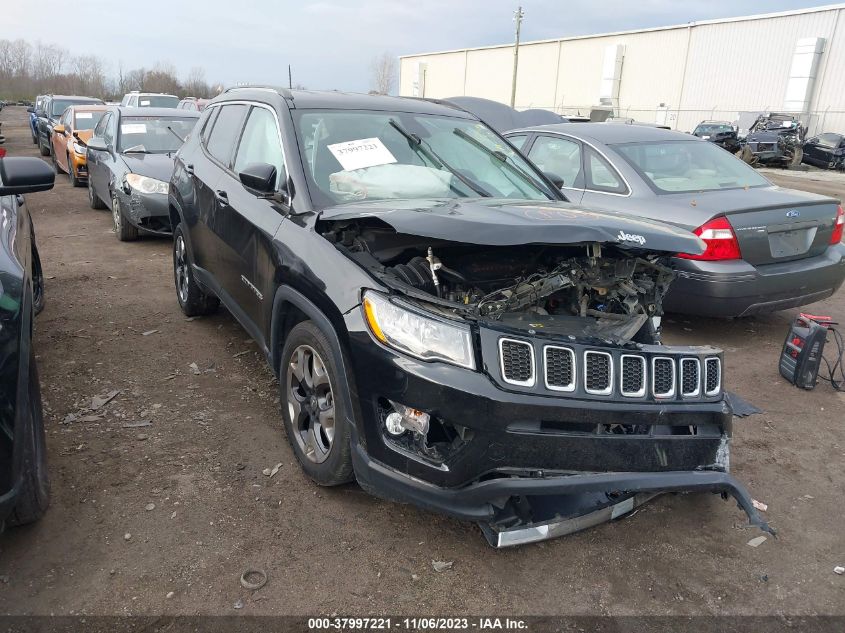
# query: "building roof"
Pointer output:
{"type": "Point", "coordinates": [744, 18]}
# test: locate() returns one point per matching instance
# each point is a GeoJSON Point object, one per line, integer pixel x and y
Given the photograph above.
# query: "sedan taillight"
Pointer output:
{"type": "Point", "coordinates": [720, 238]}
{"type": "Point", "coordinates": [838, 224]}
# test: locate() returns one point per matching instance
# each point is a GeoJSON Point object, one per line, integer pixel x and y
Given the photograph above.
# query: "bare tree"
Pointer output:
{"type": "Point", "coordinates": [89, 77]}
{"type": "Point", "coordinates": [383, 73]}
{"type": "Point", "coordinates": [195, 85]}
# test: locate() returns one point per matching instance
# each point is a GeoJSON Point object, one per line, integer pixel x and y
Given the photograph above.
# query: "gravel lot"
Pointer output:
{"type": "Point", "coordinates": [182, 505]}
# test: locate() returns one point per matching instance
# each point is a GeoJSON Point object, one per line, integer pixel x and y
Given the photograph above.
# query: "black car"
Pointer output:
{"type": "Point", "coordinates": [130, 160]}
{"type": "Point", "coordinates": [826, 151]}
{"type": "Point", "coordinates": [722, 133]}
{"type": "Point", "coordinates": [445, 328]}
{"type": "Point", "coordinates": [24, 485]}
{"type": "Point", "coordinates": [51, 109]}
{"type": "Point", "coordinates": [774, 139]}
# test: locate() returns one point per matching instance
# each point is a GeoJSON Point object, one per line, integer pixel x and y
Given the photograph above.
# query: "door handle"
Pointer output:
{"type": "Point", "coordinates": [222, 197]}
{"type": "Point", "coordinates": [189, 169]}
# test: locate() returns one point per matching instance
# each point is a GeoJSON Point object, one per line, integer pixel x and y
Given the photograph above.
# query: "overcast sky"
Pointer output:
{"type": "Point", "coordinates": [329, 43]}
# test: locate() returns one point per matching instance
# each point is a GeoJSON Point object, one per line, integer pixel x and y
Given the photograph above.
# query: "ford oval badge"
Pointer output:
{"type": "Point", "coordinates": [793, 213]}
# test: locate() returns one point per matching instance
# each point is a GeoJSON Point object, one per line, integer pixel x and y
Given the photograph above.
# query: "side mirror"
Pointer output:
{"type": "Point", "coordinates": [31, 110]}
{"type": "Point", "coordinates": [259, 178]}
{"type": "Point", "coordinates": [25, 175]}
{"type": "Point", "coordinates": [97, 144]}
{"type": "Point", "coordinates": [59, 129]}
{"type": "Point", "coordinates": [557, 181]}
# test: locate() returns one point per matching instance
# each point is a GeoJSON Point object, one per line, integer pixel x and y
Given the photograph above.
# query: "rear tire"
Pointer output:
{"type": "Point", "coordinates": [193, 300]}
{"type": "Point", "coordinates": [93, 199]}
{"type": "Point", "coordinates": [125, 231]}
{"type": "Point", "coordinates": [34, 496]}
{"type": "Point", "coordinates": [313, 411]}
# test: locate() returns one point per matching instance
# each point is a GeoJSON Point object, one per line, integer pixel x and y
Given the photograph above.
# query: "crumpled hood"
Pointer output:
{"type": "Point", "coordinates": [84, 135]}
{"type": "Point", "coordinates": [494, 222]}
{"type": "Point", "coordinates": [158, 166]}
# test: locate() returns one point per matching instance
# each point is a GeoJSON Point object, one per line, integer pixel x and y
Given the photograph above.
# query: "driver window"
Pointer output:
{"type": "Point", "coordinates": [108, 133]}
{"type": "Point", "coordinates": [260, 143]}
{"type": "Point", "coordinates": [558, 156]}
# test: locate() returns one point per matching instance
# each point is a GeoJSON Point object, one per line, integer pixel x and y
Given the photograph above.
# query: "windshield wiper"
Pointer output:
{"type": "Point", "coordinates": [432, 156]}
{"type": "Point", "coordinates": [500, 156]}
{"type": "Point", "coordinates": [137, 149]}
{"type": "Point", "coordinates": [173, 132]}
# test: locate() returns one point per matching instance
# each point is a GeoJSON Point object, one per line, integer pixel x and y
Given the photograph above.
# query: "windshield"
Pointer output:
{"type": "Point", "coordinates": [149, 135]}
{"type": "Point", "coordinates": [712, 128]}
{"type": "Point", "coordinates": [687, 166]}
{"type": "Point", "coordinates": [87, 120]}
{"type": "Point", "coordinates": [157, 101]}
{"type": "Point", "coordinates": [59, 105]}
{"type": "Point", "coordinates": [353, 155]}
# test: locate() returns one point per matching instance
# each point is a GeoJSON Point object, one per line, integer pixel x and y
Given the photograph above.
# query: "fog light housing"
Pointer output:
{"type": "Point", "coordinates": [404, 418]}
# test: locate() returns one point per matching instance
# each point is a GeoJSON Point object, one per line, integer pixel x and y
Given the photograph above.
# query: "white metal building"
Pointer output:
{"type": "Point", "coordinates": [714, 69]}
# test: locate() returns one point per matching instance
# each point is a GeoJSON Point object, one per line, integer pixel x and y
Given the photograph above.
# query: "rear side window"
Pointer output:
{"type": "Point", "coordinates": [517, 141]}
{"type": "Point", "coordinates": [224, 135]}
{"type": "Point", "coordinates": [601, 176]}
{"type": "Point", "coordinates": [209, 123]}
{"type": "Point", "coordinates": [260, 143]}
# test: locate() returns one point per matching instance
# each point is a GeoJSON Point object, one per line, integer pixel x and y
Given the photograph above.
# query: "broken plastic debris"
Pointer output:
{"type": "Point", "coordinates": [441, 565]}
{"type": "Point", "coordinates": [136, 425]}
{"type": "Point", "coordinates": [100, 401]}
{"type": "Point", "coordinates": [148, 332]}
{"type": "Point", "coordinates": [757, 541]}
{"type": "Point", "coordinates": [194, 369]}
{"type": "Point", "coordinates": [759, 505]}
{"type": "Point", "coordinates": [839, 570]}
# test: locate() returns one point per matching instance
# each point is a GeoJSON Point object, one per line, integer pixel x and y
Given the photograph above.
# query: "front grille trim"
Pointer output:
{"type": "Point", "coordinates": [632, 394]}
{"type": "Point", "coordinates": [599, 392]}
{"type": "Point", "coordinates": [519, 383]}
{"type": "Point", "coordinates": [571, 352]}
{"type": "Point", "coordinates": [670, 392]}
{"type": "Point", "coordinates": [707, 370]}
{"type": "Point", "coordinates": [697, 363]}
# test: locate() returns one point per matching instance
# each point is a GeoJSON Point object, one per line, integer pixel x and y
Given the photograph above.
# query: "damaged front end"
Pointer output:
{"type": "Point", "coordinates": [556, 407]}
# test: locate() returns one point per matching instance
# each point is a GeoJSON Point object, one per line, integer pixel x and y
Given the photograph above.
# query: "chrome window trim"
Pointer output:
{"type": "Point", "coordinates": [670, 393]}
{"type": "Point", "coordinates": [571, 386]}
{"type": "Point", "coordinates": [697, 391]}
{"type": "Point", "coordinates": [609, 389]}
{"type": "Point", "coordinates": [518, 383]}
{"type": "Point", "coordinates": [718, 388]}
{"type": "Point", "coordinates": [632, 394]}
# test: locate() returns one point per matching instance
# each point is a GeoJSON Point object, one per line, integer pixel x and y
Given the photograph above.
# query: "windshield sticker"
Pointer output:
{"type": "Point", "coordinates": [365, 152]}
{"type": "Point", "coordinates": [133, 128]}
{"type": "Point", "coordinates": [630, 237]}
{"type": "Point", "coordinates": [84, 115]}
{"type": "Point", "coordinates": [145, 103]}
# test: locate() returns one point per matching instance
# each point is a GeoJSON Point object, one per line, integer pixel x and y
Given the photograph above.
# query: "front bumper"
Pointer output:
{"type": "Point", "coordinates": [79, 164]}
{"type": "Point", "coordinates": [736, 288]}
{"type": "Point", "coordinates": [147, 211]}
{"type": "Point", "coordinates": [516, 460]}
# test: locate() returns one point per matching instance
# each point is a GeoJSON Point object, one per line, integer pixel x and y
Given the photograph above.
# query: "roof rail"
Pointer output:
{"type": "Point", "coordinates": [284, 92]}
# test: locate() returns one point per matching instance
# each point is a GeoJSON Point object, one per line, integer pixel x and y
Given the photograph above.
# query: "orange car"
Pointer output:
{"type": "Point", "coordinates": [70, 136]}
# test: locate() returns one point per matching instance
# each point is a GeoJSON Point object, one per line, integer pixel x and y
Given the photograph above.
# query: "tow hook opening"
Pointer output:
{"type": "Point", "coordinates": [425, 434]}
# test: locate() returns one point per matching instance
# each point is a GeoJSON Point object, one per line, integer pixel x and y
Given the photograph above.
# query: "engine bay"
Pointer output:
{"type": "Point", "coordinates": [588, 289]}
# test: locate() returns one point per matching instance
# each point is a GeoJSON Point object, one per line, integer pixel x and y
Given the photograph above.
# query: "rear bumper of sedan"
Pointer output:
{"type": "Point", "coordinates": [736, 288]}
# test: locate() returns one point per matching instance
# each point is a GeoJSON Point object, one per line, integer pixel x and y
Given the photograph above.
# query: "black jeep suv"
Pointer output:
{"type": "Point", "coordinates": [446, 330]}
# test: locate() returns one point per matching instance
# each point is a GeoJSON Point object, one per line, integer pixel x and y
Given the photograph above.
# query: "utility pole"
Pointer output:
{"type": "Point", "coordinates": [290, 78]}
{"type": "Point", "coordinates": [518, 15]}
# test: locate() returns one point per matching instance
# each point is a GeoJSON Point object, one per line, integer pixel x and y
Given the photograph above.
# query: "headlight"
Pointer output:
{"type": "Point", "coordinates": [426, 337]}
{"type": "Point", "coordinates": [146, 185]}
{"type": "Point", "coordinates": [80, 149]}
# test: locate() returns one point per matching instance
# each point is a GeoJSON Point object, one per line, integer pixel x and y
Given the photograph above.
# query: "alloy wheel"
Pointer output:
{"type": "Point", "coordinates": [181, 270]}
{"type": "Point", "coordinates": [310, 401]}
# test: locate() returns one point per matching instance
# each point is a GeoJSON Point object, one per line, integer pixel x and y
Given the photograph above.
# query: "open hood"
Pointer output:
{"type": "Point", "coordinates": [493, 222]}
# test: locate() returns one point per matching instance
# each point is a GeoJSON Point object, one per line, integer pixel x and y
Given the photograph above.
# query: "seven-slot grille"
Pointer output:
{"type": "Point", "coordinates": [517, 362]}
{"type": "Point", "coordinates": [600, 373]}
{"type": "Point", "coordinates": [560, 368]}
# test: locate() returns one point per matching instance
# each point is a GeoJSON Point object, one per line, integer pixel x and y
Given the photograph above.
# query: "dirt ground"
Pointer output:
{"type": "Point", "coordinates": [163, 519]}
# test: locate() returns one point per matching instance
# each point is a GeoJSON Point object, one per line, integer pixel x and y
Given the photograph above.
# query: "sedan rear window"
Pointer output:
{"type": "Point", "coordinates": [688, 166]}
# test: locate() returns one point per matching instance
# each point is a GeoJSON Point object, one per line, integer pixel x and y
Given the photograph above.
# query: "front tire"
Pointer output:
{"type": "Point", "coordinates": [44, 149]}
{"type": "Point", "coordinates": [34, 496]}
{"type": "Point", "coordinates": [123, 229]}
{"type": "Point", "coordinates": [193, 300]}
{"type": "Point", "coordinates": [71, 174]}
{"type": "Point", "coordinates": [313, 406]}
